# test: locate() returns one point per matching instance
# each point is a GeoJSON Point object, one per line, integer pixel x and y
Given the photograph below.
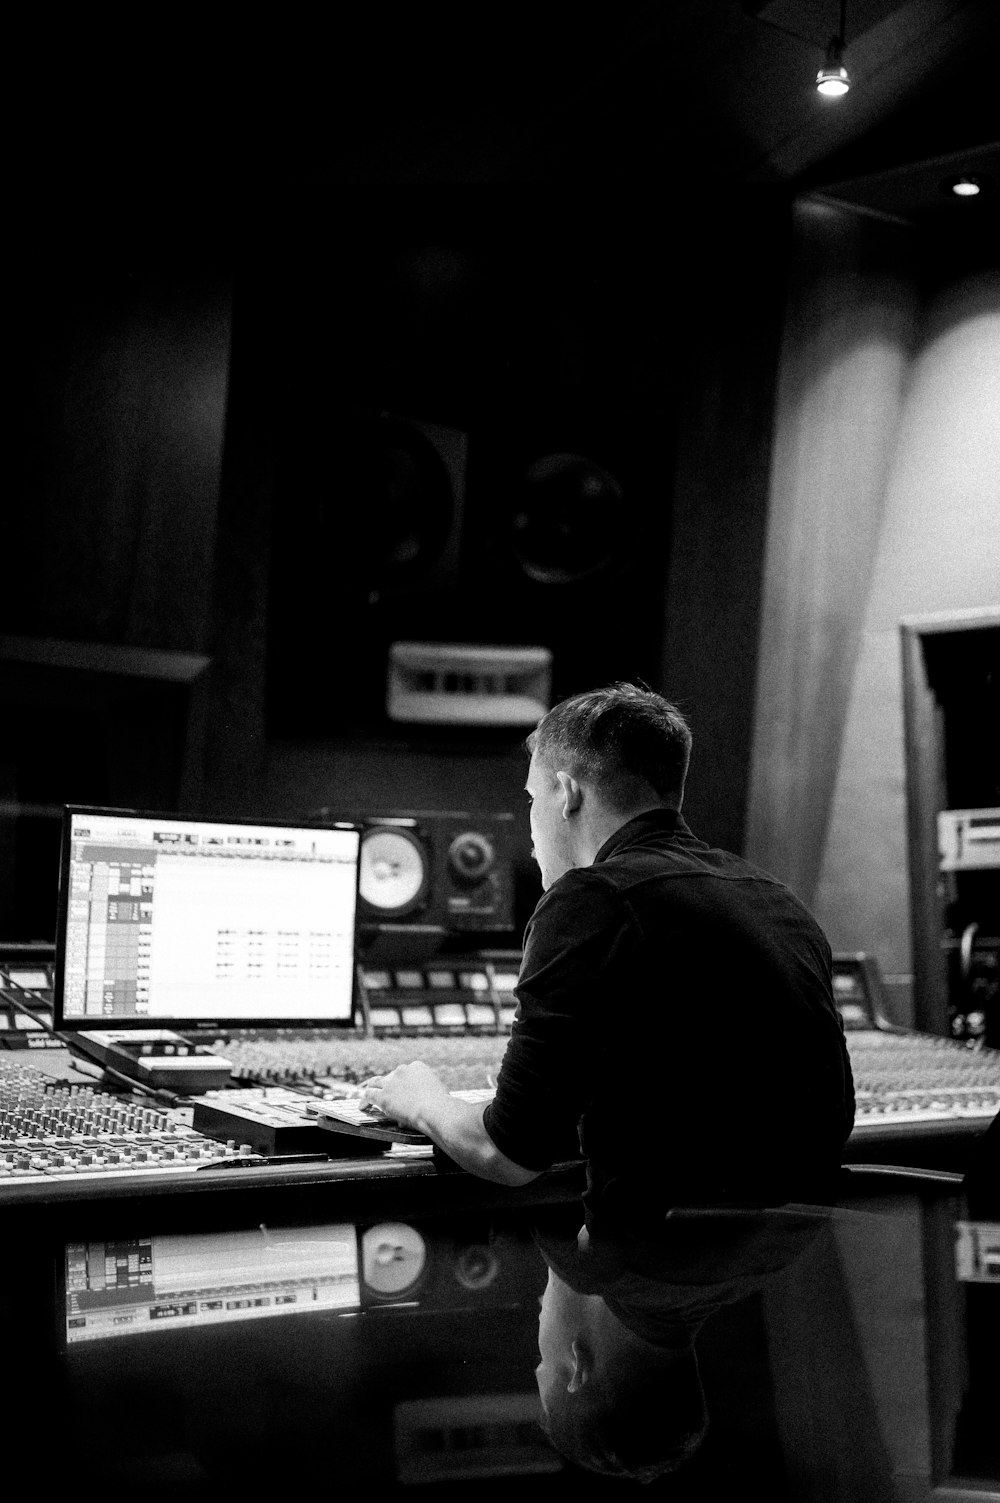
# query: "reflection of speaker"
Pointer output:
{"type": "Point", "coordinates": [393, 1258]}
{"type": "Point", "coordinates": [427, 1268]}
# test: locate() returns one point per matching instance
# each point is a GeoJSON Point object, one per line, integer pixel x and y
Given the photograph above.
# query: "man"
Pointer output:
{"type": "Point", "coordinates": [675, 1022]}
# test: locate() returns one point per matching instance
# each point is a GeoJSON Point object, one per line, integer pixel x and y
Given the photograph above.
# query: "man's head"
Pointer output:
{"type": "Point", "coordinates": [611, 1402]}
{"type": "Point", "coordinates": [597, 761]}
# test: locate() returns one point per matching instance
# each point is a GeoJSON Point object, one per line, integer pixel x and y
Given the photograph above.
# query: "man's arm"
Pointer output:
{"type": "Point", "coordinates": [414, 1096]}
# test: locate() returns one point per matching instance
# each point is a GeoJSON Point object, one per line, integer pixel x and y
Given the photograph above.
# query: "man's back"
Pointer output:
{"type": "Point", "coordinates": [676, 1003]}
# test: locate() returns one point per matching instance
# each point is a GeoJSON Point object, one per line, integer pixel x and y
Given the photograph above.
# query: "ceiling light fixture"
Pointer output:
{"type": "Point", "coordinates": [833, 80]}
{"type": "Point", "coordinates": [964, 187]}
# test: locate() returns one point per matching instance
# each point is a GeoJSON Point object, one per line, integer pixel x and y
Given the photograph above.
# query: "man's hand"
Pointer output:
{"type": "Point", "coordinates": [407, 1094]}
{"type": "Point", "coordinates": [414, 1096]}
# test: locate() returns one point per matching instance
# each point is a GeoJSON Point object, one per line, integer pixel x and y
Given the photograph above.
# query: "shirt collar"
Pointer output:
{"type": "Point", "coordinates": [653, 822]}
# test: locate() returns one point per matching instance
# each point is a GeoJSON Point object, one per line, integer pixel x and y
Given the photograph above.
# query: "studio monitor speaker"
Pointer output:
{"type": "Point", "coordinates": [445, 873]}
{"type": "Point", "coordinates": [514, 491]}
{"type": "Point", "coordinates": [544, 543]}
{"type": "Point", "coordinates": [567, 538]}
{"type": "Point", "coordinates": [475, 1262]}
{"type": "Point", "coordinates": [366, 536]}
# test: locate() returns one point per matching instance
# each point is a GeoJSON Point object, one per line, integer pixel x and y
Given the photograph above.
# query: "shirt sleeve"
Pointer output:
{"type": "Point", "coordinates": [578, 932]}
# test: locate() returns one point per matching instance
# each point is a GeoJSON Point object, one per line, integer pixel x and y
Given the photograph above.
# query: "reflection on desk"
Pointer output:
{"type": "Point", "coordinates": [188, 1359]}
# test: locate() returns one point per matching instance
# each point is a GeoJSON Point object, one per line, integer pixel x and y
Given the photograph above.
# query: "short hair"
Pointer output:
{"type": "Point", "coordinates": [652, 1428]}
{"type": "Point", "coordinates": [624, 739]}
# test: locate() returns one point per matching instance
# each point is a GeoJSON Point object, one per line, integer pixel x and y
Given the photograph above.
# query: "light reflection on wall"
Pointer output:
{"type": "Point", "coordinates": [884, 503]}
{"type": "Point", "coordinates": [938, 550]}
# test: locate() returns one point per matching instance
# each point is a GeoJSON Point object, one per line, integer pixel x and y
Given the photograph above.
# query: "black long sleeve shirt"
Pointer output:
{"type": "Point", "coordinates": [676, 1026]}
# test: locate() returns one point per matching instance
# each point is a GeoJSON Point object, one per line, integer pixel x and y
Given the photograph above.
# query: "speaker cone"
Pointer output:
{"type": "Point", "coordinates": [393, 1256]}
{"type": "Point", "coordinates": [390, 498]}
{"type": "Point", "coordinates": [394, 876]}
{"type": "Point", "coordinates": [569, 520]}
{"type": "Point", "coordinates": [470, 856]}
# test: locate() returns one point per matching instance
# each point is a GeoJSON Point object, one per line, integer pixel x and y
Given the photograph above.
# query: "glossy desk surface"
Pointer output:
{"type": "Point", "coordinates": [233, 1346]}
{"type": "Point", "coordinates": [375, 1324]}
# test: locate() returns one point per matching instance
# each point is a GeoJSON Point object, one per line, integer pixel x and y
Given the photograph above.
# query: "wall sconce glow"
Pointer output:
{"type": "Point", "coordinates": [833, 80]}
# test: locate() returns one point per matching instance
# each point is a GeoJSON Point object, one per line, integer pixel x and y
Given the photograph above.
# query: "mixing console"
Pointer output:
{"type": "Point", "coordinates": [56, 1131]}
{"type": "Point", "coordinates": [464, 1061]}
{"type": "Point", "coordinates": [903, 1078]}
{"type": "Point", "coordinates": [900, 1078]}
{"type": "Point", "coordinates": [53, 1132]}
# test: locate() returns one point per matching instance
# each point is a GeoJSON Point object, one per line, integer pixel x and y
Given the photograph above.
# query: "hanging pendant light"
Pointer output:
{"type": "Point", "coordinates": [833, 79]}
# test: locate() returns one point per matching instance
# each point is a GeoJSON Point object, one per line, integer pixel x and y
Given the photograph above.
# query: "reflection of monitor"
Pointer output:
{"type": "Point", "coordinates": [174, 922]}
{"type": "Point", "coordinates": [139, 1285]}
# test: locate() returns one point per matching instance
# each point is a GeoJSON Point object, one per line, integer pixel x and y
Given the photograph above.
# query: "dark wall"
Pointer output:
{"type": "Point", "coordinates": [527, 325]}
{"type": "Point", "coordinates": [179, 466]}
{"type": "Point", "coordinates": [725, 415]}
{"type": "Point", "coordinates": [118, 350]}
{"type": "Point", "coordinates": [121, 361]}
{"type": "Point", "coordinates": [530, 323]}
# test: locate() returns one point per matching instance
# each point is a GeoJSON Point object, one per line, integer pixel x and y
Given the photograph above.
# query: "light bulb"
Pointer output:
{"type": "Point", "coordinates": [833, 79]}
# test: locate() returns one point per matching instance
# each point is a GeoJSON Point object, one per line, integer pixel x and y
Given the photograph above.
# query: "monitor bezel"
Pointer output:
{"type": "Point", "coordinates": [209, 1027]}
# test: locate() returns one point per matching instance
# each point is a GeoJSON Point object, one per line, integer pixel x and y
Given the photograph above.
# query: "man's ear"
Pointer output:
{"type": "Point", "coordinates": [583, 1366]}
{"type": "Point", "coordinates": [572, 794]}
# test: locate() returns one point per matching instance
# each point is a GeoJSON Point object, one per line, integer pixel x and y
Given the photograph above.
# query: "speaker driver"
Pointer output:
{"type": "Point", "coordinates": [476, 1266]}
{"type": "Point", "coordinates": [471, 856]}
{"type": "Point", "coordinates": [569, 521]}
{"type": "Point", "coordinates": [397, 493]}
{"type": "Point", "coordinates": [393, 1256]}
{"type": "Point", "coordinates": [394, 874]}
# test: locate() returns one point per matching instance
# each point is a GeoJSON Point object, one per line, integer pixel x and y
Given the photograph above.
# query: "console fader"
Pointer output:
{"type": "Point", "coordinates": [53, 1130]}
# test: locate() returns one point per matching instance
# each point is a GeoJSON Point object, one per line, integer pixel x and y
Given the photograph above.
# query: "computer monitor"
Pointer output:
{"type": "Point", "coordinates": [176, 922]}
{"type": "Point", "coordinates": [136, 1286]}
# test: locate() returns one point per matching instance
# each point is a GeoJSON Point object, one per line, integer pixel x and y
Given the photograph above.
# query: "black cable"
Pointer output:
{"type": "Point", "coordinates": [9, 987]}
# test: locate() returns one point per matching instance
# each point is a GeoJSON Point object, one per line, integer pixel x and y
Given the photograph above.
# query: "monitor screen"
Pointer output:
{"type": "Point", "coordinates": [174, 922]}
{"type": "Point", "coordinates": [139, 1285]}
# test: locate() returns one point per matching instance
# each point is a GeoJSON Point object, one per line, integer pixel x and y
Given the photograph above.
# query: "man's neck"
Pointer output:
{"type": "Point", "coordinates": [600, 822]}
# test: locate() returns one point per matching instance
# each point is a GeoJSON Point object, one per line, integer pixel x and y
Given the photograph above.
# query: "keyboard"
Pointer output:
{"type": "Point", "coordinates": [355, 1116]}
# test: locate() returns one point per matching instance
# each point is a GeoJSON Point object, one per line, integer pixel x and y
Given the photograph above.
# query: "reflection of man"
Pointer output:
{"type": "Point", "coordinates": [675, 1016]}
{"type": "Point", "coordinates": [613, 1402]}
{"type": "Point", "coordinates": [618, 1378]}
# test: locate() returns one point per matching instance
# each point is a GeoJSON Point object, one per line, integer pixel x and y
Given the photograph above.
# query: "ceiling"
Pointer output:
{"type": "Point", "coordinates": [668, 97]}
